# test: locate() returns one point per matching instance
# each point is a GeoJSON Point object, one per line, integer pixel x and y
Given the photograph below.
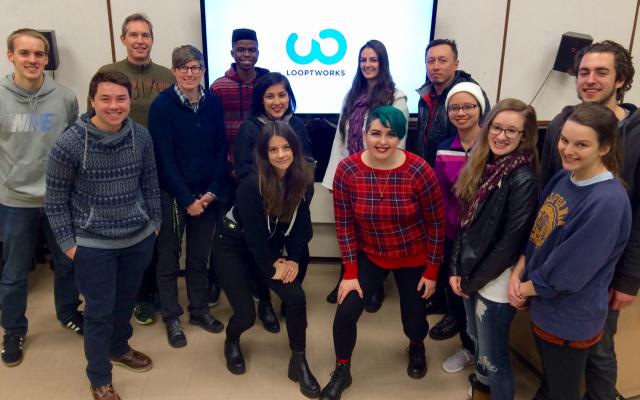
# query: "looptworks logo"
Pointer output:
{"type": "Point", "coordinates": [316, 52]}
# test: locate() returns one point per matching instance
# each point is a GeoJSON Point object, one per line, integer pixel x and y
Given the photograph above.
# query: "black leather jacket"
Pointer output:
{"type": "Point", "coordinates": [497, 237]}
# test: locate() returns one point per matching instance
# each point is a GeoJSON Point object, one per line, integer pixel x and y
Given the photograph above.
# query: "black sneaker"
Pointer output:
{"type": "Point", "coordinates": [175, 334]}
{"type": "Point", "coordinates": [76, 323]}
{"type": "Point", "coordinates": [435, 306]}
{"type": "Point", "coordinates": [207, 321]}
{"type": "Point", "coordinates": [12, 350]}
{"type": "Point", "coordinates": [446, 328]}
{"type": "Point", "coordinates": [143, 313]}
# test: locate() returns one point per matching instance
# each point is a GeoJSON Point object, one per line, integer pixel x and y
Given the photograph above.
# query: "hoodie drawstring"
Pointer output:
{"type": "Point", "coordinates": [33, 102]}
{"type": "Point", "coordinates": [86, 146]}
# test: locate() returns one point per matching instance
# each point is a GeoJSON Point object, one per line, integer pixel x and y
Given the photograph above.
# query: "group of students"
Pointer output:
{"type": "Point", "coordinates": [465, 199]}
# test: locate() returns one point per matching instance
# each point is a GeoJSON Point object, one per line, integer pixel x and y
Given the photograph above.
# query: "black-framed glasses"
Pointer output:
{"type": "Point", "coordinates": [510, 133]}
{"type": "Point", "coordinates": [196, 69]}
{"type": "Point", "coordinates": [466, 108]}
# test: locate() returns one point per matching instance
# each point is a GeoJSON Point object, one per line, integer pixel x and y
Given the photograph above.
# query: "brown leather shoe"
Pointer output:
{"type": "Point", "coordinates": [134, 361]}
{"type": "Point", "coordinates": [104, 392]}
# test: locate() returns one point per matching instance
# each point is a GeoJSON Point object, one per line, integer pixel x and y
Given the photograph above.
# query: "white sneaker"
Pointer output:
{"type": "Point", "coordinates": [458, 361]}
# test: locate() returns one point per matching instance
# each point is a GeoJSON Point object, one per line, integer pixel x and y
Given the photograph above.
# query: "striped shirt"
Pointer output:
{"type": "Point", "coordinates": [394, 216]}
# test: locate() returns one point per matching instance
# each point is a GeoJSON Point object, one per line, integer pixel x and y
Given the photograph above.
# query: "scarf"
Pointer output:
{"type": "Point", "coordinates": [491, 179]}
{"type": "Point", "coordinates": [356, 122]}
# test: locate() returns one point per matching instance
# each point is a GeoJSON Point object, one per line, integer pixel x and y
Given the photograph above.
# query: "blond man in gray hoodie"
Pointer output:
{"type": "Point", "coordinates": [34, 111]}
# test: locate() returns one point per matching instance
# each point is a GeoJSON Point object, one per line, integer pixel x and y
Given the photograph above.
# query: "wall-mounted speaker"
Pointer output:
{"type": "Point", "coordinates": [54, 60]}
{"type": "Point", "coordinates": [570, 44]}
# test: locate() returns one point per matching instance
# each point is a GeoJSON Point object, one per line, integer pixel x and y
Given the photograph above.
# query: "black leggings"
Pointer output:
{"type": "Point", "coordinates": [233, 263]}
{"type": "Point", "coordinates": [371, 277]}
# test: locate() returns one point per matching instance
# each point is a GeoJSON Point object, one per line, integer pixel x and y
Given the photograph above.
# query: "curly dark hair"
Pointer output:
{"type": "Point", "coordinates": [622, 59]}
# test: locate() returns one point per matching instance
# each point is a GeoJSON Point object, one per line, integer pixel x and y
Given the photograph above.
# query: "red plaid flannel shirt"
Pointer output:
{"type": "Point", "coordinates": [404, 229]}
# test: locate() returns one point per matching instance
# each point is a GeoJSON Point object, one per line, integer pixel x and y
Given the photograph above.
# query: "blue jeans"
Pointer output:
{"type": "Point", "coordinates": [19, 230]}
{"type": "Point", "coordinates": [488, 324]}
{"type": "Point", "coordinates": [109, 280]}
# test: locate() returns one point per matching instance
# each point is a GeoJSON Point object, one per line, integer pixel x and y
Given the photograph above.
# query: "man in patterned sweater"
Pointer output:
{"type": "Point", "coordinates": [103, 203]}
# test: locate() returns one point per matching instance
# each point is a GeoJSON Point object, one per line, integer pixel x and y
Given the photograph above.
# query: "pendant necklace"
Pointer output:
{"type": "Point", "coordinates": [386, 182]}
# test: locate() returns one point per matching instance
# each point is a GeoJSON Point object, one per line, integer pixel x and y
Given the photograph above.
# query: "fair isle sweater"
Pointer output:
{"type": "Point", "coordinates": [102, 188]}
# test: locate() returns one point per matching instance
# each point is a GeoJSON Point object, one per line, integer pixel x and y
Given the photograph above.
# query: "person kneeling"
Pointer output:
{"type": "Point", "coordinates": [271, 214]}
{"type": "Point", "coordinates": [389, 217]}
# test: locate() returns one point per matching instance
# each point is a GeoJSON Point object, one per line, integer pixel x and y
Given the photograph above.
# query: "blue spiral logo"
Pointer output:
{"type": "Point", "coordinates": [316, 52]}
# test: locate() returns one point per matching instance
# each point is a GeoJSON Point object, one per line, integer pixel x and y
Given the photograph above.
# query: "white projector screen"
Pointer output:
{"type": "Point", "coordinates": [321, 77]}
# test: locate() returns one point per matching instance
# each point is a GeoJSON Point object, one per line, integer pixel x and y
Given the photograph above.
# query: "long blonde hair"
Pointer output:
{"type": "Point", "coordinates": [469, 178]}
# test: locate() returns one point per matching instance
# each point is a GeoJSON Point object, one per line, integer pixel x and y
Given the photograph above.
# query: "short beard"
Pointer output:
{"type": "Point", "coordinates": [606, 100]}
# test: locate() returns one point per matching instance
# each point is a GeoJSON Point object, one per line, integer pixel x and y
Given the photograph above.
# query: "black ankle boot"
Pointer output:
{"type": "Point", "coordinates": [373, 303]}
{"type": "Point", "coordinates": [417, 367]}
{"type": "Point", "coordinates": [235, 361]}
{"type": "Point", "coordinates": [299, 372]}
{"type": "Point", "coordinates": [332, 297]}
{"type": "Point", "coordinates": [340, 380]}
{"type": "Point", "coordinates": [268, 316]}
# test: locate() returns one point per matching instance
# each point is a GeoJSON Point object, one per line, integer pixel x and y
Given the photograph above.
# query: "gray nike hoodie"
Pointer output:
{"type": "Point", "coordinates": [30, 122]}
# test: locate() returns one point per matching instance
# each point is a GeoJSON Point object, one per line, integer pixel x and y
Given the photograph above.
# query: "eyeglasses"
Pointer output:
{"type": "Point", "coordinates": [510, 133]}
{"type": "Point", "coordinates": [466, 108]}
{"type": "Point", "coordinates": [196, 69]}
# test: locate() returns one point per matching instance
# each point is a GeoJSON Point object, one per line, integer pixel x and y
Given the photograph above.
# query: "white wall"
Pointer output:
{"type": "Point", "coordinates": [479, 39]}
{"type": "Point", "coordinates": [82, 33]}
{"type": "Point", "coordinates": [175, 23]}
{"type": "Point", "coordinates": [535, 28]}
{"type": "Point", "coordinates": [533, 42]}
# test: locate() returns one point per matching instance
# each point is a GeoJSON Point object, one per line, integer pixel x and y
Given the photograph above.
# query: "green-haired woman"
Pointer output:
{"type": "Point", "coordinates": [389, 218]}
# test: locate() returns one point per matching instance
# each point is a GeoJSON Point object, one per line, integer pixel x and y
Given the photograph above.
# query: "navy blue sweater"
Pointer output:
{"type": "Point", "coordinates": [578, 236]}
{"type": "Point", "coordinates": [190, 147]}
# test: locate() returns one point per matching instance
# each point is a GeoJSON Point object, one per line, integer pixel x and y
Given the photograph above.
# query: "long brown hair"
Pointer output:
{"type": "Point", "coordinates": [281, 197]}
{"type": "Point", "coordinates": [469, 178]}
{"type": "Point", "coordinates": [604, 122]}
{"type": "Point", "coordinates": [383, 92]}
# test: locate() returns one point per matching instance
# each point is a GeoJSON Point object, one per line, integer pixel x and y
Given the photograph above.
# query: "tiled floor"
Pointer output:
{"type": "Point", "coordinates": [53, 367]}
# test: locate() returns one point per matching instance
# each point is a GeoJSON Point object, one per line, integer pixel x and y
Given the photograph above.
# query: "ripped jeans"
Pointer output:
{"type": "Point", "coordinates": [488, 325]}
